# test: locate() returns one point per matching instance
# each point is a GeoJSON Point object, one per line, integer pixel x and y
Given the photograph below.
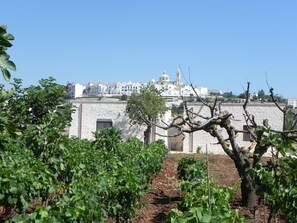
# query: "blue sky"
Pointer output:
{"type": "Point", "coordinates": [222, 44]}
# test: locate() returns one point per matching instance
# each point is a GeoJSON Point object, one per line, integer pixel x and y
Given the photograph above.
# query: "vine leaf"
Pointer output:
{"type": "Point", "coordinates": [6, 64]}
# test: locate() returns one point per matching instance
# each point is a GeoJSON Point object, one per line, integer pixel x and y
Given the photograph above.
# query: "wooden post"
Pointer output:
{"type": "Point", "coordinates": [207, 172]}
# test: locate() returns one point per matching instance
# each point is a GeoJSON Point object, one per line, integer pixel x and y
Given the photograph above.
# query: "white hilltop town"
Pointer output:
{"type": "Point", "coordinates": [90, 114]}
{"type": "Point", "coordinates": [164, 85]}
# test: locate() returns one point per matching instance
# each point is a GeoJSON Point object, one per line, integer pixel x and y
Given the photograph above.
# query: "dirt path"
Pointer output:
{"type": "Point", "coordinates": [164, 194]}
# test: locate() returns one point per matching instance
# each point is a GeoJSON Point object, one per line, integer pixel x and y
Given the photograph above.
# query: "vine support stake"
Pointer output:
{"type": "Point", "coordinates": [207, 173]}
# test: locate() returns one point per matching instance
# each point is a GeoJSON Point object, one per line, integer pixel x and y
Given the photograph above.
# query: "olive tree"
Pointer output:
{"type": "Point", "coordinates": [146, 108]}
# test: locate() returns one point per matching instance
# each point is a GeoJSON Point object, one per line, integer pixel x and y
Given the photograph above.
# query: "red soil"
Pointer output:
{"type": "Point", "coordinates": [165, 194]}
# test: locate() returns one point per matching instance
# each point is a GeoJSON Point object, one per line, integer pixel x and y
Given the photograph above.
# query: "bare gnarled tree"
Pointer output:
{"type": "Point", "coordinates": [219, 124]}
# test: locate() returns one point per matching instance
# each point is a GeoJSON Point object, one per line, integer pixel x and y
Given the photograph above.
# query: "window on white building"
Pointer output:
{"type": "Point", "coordinates": [175, 140]}
{"type": "Point", "coordinates": [103, 124]}
{"type": "Point", "coordinates": [246, 135]}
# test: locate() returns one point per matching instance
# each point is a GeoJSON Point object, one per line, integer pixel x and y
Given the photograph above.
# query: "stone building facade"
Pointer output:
{"type": "Point", "coordinates": [292, 102]}
{"type": "Point", "coordinates": [260, 111]}
{"type": "Point", "coordinates": [91, 115]}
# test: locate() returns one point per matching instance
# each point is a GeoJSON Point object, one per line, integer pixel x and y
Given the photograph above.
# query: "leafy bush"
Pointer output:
{"type": "Point", "coordinates": [23, 178]}
{"type": "Point", "coordinates": [47, 177]}
{"type": "Point", "coordinates": [276, 180]}
{"type": "Point", "coordinates": [108, 139]}
{"type": "Point", "coordinates": [190, 168]}
{"type": "Point", "coordinates": [91, 184]}
{"type": "Point", "coordinates": [196, 205]}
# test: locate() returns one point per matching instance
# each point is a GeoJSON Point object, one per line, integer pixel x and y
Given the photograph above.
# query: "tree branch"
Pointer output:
{"type": "Point", "coordinates": [275, 101]}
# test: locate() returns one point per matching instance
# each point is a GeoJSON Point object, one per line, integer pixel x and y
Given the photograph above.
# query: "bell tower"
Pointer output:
{"type": "Point", "coordinates": [177, 78]}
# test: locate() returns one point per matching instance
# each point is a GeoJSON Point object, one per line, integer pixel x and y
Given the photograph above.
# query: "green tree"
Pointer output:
{"type": "Point", "coordinates": [5, 43]}
{"type": "Point", "coordinates": [177, 109]}
{"type": "Point", "coordinates": [276, 180]}
{"type": "Point", "coordinates": [242, 96]}
{"type": "Point", "coordinates": [33, 104]}
{"type": "Point", "coordinates": [124, 97]}
{"type": "Point", "coordinates": [261, 95]}
{"type": "Point", "coordinates": [5, 65]}
{"type": "Point", "coordinates": [145, 108]}
{"type": "Point", "coordinates": [39, 114]}
{"type": "Point", "coordinates": [290, 118]}
{"type": "Point", "coordinates": [228, 95]}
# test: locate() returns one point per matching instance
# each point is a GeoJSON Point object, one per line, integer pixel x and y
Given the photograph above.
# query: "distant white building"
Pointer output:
{"type": "Point", "coordinates": [95, 89]}
{"type": "Point", "coordinates": [292, 102]}
{"type": "Point", "coordinates": [176, 88]}
{"type": "Point", "coordinates": [75, 90]}
{"type": "Point", "coordinates": [122, 88]}
{"type": "Point", "coordinates": [168, 88]}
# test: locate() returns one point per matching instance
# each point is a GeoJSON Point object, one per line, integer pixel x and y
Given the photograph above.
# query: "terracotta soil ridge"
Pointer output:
{"type": "Point", "coordinates": [164, 193]}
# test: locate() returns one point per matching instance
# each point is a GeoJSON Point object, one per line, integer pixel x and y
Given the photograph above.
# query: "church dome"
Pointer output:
{"type": "Point", "coordinates": [164, 76]}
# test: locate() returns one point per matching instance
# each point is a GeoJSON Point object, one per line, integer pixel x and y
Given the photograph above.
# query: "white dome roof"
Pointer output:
{"type": "Point", "coordinates": [164, 74]}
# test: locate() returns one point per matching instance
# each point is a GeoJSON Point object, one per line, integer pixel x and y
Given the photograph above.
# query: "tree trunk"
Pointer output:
{"type": "Point", "coordinates": [148, 135]}
{"type": "Point", "coordinates": [248, 192]}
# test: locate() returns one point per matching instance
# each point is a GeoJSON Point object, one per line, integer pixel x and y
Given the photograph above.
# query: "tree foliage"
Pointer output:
{"type": "Point", "coordinates": [33, 104]}
{"type": "Point", "coordinates": [5, 43]}
{"type": "Point", "coordinates": [47, 177]}
{"type": "Point", "coordinates": [146, 108]}
{"type": "Point", "coordinates": [290, 119]}
{"type": "Point", "coordinates": [203, 200]}
{"type": "Point", "coordinates": [177, 110]}
{"type": "Point", "coordinates": [276, 180]}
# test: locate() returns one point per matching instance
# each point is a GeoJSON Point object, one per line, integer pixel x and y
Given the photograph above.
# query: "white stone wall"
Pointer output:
{"type": "Point", "coordinates": [88, 111]}
{"type": "Point", "coordinates": [260, 112]}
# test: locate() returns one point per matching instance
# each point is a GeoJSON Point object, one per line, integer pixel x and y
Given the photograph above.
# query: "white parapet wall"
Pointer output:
{"type": "Point", "coordinates": [89, 111]}
{"type": "Point", "coordinates": [260, 111]}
